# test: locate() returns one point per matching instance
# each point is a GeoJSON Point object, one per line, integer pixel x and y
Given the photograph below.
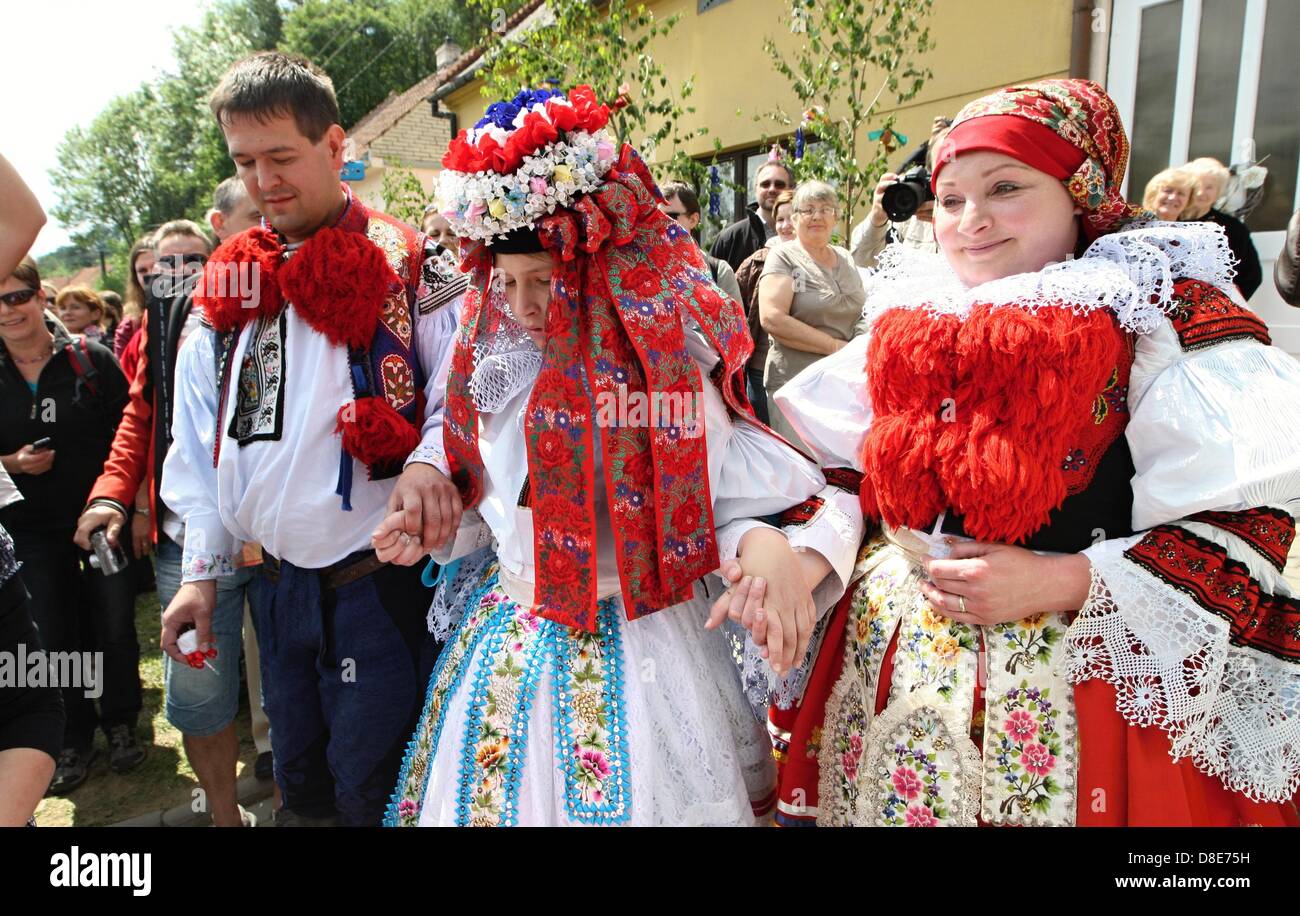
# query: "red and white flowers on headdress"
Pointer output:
{"type": "Point", "coordinates": [523, 159]}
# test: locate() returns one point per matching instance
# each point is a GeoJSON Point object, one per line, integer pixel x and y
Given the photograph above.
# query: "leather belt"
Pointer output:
{"type": "Point", "coordinates": [344, 572]}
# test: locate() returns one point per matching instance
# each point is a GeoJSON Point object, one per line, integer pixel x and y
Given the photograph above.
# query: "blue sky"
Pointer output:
{"type": "Point", "coordinates": [64, 60]}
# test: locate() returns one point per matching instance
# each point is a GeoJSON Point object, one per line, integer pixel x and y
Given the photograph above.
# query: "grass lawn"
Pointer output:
{"type": "Point", "coordinates": [164, 779]}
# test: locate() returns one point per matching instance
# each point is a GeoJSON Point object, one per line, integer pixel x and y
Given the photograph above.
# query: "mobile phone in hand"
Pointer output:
{"type": "Point", "coordinates": [41, 445]}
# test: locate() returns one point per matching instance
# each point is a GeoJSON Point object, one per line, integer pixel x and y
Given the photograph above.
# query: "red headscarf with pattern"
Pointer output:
{"type": "Point", "coordinates": [1068, 128]}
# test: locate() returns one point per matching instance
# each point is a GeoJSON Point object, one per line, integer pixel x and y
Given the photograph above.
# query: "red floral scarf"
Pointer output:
{"type": "Point", "coordinates": [624, 277]}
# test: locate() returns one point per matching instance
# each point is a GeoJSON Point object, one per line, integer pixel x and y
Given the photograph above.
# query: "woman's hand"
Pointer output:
{"type": "Point", "coordinates": [393, 545]}
{"type": "Point", "coordinates": [988, 584]}
{"type": "Point", "coordinates": [29, 461]}
{"type": "Point", "coordinates": [771, 596]}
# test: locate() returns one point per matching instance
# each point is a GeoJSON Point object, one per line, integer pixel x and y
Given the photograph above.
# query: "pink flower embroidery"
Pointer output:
{"type": "Point", "coordinates": [594, 763]}
{"type": "Point", "coordinates": [849, 761]}
{"type": "Point", "coordinates": [855, 745]}
{"type": "Point", "coordinates": [406, 808]}
{"type": "Point", "coordinates": [1037, 759]}
{"type": "Point", "coordinates": [921, 816]}
{"type": "Point", "coordinates": [907, 784]}
{"type": "Point", "coordinates": [1020, 725]}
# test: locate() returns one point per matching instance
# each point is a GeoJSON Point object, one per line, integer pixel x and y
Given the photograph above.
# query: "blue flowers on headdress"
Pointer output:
{"type": "Point", "coordinates": [503, 114]}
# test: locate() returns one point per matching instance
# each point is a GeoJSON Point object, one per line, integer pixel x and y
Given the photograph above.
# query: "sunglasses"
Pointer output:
{"type": "Point", "coordinates": [778, 184]}
{"type": "Point", "coordinates": [675, 214]}
{"type": "Point", "coordinates": [18, 297]}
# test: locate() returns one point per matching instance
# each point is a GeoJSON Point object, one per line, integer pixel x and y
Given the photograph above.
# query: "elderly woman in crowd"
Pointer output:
{"type": "Point", "coordinates": [1211, 179]}
{"type": "Point", "coordinates": [810, 295]}
{"type": "Point", "coordinates": [747, 277]}
{"type": "Point", "coordinates": [1169, 192]}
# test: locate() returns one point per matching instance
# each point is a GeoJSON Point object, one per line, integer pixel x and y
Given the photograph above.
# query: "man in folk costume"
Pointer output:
{"type": "Point", "coordinates": [1084, 454]}
{"type": "Point", "coordinates": [579, 684]}
{"type": "Point", "coordinates": [302, 418]}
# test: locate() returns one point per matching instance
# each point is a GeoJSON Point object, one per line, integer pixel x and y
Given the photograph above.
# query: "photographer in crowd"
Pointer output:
{"type": "Point", "coordinates": [912, 218]}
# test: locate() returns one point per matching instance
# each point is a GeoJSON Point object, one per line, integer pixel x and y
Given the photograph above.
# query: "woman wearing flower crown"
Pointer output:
{"type": "Point", "coordinates": [596, 425]}
{"type": "Point", "coordinates": [1086, 459]}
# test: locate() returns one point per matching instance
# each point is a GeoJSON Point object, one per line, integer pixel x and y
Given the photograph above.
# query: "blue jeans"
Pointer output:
{"type": "Point", "coordinates": [201, 702]}
{"type": "Point", "coordinates": [343, 677]}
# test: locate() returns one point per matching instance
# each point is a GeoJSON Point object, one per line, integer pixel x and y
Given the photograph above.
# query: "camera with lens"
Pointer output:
{"type": "Point", "coordinates": [901, 200]}
{"type": "Point", "coordinates": [104, 556]}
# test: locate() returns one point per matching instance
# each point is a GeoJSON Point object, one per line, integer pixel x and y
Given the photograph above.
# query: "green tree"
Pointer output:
{"type": "Point", "coordinates": [852, 53]}
{"type": "Point", "coordinates": [371, 48]}
{"type": "Point", "coordinates": [605, 46]}
{"type": "Point", "coordinates": [404, 196]}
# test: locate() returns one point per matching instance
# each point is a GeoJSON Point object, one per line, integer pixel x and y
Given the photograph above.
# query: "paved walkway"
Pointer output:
{"type": "Point", "coordinates": [254, 794]}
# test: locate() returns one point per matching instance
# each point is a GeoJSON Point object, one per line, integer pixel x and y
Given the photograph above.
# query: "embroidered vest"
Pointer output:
{"type": "Point", "coordinates": [382, 424]}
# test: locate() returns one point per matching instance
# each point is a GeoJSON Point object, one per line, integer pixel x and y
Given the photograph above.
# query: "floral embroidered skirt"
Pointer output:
{"type": "Point", "coordinates": [912, 719]}
{"type": "Point", "coordinates": [528, 722]}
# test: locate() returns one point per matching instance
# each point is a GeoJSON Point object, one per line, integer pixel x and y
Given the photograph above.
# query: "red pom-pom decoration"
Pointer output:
{"type": "Point", "coordinates": [338, 282]}
{"type": "Point", "coordinates": [374, 433]}
{"type": "Point", "coordinates": [240, 280]}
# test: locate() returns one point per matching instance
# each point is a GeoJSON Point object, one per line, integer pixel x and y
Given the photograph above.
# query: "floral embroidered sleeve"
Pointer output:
{"type": "Point", "coordinates": [189, 480]}
{"type": "Point", "coordinates": [1192, 619]}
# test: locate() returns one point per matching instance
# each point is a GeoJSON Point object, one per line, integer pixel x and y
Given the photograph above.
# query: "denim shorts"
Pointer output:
{"type": "Point", "coordinates": [201, 702]}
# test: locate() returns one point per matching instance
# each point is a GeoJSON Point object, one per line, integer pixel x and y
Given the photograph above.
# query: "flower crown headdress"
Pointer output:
{"type": "Point", "coordinates": [524, 159]}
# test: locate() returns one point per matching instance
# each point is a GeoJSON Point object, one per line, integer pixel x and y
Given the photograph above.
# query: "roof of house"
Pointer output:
{"type": "Point", "coordinates": [379, 120]}
{"type": "Point", "coordinates": [87, 276]}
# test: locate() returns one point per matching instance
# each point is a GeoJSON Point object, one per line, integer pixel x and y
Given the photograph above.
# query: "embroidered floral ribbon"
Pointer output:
{"type": "Point", "coordinates": [625, 277]}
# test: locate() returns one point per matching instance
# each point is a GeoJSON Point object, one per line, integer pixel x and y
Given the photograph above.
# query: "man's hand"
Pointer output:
{"type": "Point", "coordinates": [193, 604]}
{"type": "Point", "coordinates": [99, 516]}
{"type": "Point", "coordinates": [28, 461]}
{"type": "Point", "coordinates": [429, 504]}
{"type": "Point", "coordinates": [141, 535]}
{"type": "Point", "coordinates": [878, 215]}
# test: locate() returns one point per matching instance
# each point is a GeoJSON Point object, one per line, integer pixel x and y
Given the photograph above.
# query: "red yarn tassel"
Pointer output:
{"type": "Point", "coordinates": [374, 432]}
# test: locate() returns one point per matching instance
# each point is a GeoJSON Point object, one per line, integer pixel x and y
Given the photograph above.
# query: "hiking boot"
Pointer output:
{"type": "Point", "coordinates": [71, 770]}
{"type": "Point", "coordinates": [125, 753]}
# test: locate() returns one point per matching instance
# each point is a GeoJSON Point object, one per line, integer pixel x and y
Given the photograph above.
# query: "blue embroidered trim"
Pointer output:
{"type": "Point", "coordinates": [391, 818]}
{"type": "Point", "coordinates": [518, 734]}
{"type": "Point", "coordinates": [616, 806]}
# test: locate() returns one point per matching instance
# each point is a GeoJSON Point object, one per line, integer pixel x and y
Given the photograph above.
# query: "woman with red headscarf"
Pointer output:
{"type": "Point", "coordinates": [1084, 457]}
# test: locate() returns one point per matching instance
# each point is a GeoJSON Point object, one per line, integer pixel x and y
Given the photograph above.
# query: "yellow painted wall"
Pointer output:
{"type": "Point", "coordinates": [979, 45]}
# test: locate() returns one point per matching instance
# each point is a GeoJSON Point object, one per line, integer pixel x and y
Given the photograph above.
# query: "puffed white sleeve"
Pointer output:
{"type": "Point", "coordinates": [828, 405]}
{"type": "Point", "coordinates": [435, 341]}
{"type": "Point", "coordinates": [189, 479]}
{"type": "Point", "coordinates": [1191, 618]}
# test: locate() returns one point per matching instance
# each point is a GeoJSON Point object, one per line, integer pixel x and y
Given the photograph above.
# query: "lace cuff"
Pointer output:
{"type": "Point", "coordinates": [1233, 709]}
{"type": "Point", "coordinates": [429, 454]}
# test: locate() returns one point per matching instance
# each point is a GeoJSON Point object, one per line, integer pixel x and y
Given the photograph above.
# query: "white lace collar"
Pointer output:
{"type": "Point", "coordinates": [1132, 273]}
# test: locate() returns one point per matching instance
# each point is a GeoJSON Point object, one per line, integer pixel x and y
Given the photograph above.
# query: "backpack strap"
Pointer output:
{"type": "Point", "coordinates": [85, 370]}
